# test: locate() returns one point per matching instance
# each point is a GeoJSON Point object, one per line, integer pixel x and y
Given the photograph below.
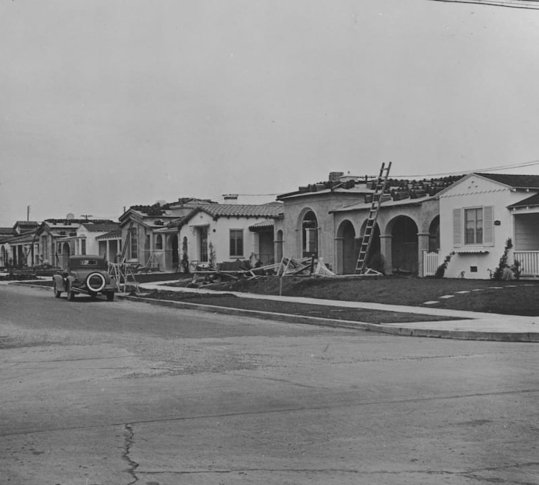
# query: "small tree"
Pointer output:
{"type": "Point", "coordinates": [440, 271]}
{"type": "Point", "coordinates": [212, 260]}
{"type": "Point", "coordinates": [185, 257]}
{"type": "Point", "coordinates": [502, 265]}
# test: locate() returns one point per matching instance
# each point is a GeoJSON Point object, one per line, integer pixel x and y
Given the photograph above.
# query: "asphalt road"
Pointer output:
{"type": "Point", "coordinates": [96, 392]}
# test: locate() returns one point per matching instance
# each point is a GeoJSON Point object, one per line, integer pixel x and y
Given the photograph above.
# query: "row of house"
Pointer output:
{"type": "Point", "coordinates": [465, 219]}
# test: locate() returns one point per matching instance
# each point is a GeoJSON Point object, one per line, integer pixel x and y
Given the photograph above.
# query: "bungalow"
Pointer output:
{"type": "Point", "coordinates": [144, 244]}
{"type": "Point", "coordinates": [215, 233]}
{"type": "Point", "coordinates": [60, 238]}
{"type": "Point", "coordinates": [83, 239]}
{"type": "Point", "coordinates": [479, 213]}
{"type": "Point", "coordinates": [19, 245]}
{"type": "Point", "coordinates": [328, 220]}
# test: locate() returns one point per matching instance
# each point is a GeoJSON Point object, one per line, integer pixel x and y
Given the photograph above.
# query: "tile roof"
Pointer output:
{"type": "Point", "coordinates": [261, 225]}
{"type": "Point", "coordinates": [517, 181]}
{"type": "Point", "coordinates": [101, 227]}
{"type": "Point", "coordinates": [273, 210]}
{"type": "Point", "coordinates": [532, 201]}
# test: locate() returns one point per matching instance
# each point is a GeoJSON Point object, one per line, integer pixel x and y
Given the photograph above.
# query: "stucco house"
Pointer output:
{"type": "Point", "coordinates": [328, 220]}
{"type": "Point", "coordinates": [144, 243]}
{"type": "Point", "coordinates": [18, 244]}
{"type": "Point", "coordinates": [60, 238]}
{"type": "Point", "coordinates": [83, 239]}
{"type": "Point", "coordinates": [215, 233]}
{"type": "Point", "coordinates": [479, 213]}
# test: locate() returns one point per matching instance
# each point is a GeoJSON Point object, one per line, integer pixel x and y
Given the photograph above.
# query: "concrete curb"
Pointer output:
{"type": "Point", "coordinates": [347, 324]}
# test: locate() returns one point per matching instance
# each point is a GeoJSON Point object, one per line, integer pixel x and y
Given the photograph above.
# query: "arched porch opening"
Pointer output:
{"type": "Point", "coordinates": [347, 248]}
{"type": "Point", "coordinates": [175, 243]}
{"type": "Point", "coordinates": [374, 257]}
{"type": "Point", "coordinates": [434, 235]}
{"type": "Point", "coordinates": [404, 245]}
{"type": "Point", "coordinates": [171, 254]}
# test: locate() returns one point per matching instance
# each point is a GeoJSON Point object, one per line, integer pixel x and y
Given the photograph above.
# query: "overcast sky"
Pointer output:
{"type": "Point", "coordinates": [106, 103]}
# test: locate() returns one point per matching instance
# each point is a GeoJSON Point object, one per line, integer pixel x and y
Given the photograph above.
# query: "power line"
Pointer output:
{"type": "Point", "coordinates": [529, 4]}
{"type": "Point", "coordinates": [476, 170]}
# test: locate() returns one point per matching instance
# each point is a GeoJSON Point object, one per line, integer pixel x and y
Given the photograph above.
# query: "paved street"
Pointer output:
{"type": "Point", "coordinates": [96, 392]}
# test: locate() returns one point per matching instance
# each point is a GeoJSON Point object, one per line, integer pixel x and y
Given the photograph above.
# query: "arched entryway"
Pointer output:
{"type": "Point", "coordinates": [309, 231]}
{"type": "Point", "coordinates": [171, 255]}
{"type": "Point", "coordinates": [404, 245]}
{"type": "Point", "coordinates": [175, 253]}
{"type": "Point", "coordinates": [347, 248]}
{"type": "Point", "coordinates": [374, 257]}
{"type": "Point", "coordinates": [434, 235]}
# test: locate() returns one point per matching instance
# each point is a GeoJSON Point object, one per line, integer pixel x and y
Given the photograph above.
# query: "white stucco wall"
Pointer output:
{"type": "Point", "coordinates": [474, 192]}
{"type": "Point", "coordinates": [219, 236]}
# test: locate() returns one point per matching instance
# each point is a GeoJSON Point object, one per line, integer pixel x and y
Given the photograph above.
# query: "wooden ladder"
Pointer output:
{"type": "Point", "coordinates": [380, 185]}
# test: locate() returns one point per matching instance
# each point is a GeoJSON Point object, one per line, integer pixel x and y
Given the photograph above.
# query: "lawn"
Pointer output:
{"type": "Point", "coordinates": [507, 297]}
{"type": "Point", "coordinates": [291, 308]}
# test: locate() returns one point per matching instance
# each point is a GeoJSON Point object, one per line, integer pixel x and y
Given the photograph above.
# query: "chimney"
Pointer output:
{"type": "Point", "coordinates": [335, 176]}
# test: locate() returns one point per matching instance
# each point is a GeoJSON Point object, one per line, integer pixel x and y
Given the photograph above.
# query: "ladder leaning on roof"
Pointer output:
{"type": "Point", "coordinates": [380, 185]}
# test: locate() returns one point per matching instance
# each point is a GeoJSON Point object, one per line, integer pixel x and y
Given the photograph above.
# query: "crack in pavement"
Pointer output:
{"type": "Point", "coordinates": [290, 409]}
{"type": "Point", "coordinates": [129, 440]}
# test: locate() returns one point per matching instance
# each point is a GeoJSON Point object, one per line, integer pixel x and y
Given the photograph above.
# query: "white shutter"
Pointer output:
{"type": "Point", "coordinates": [457, 227]}
{"type": "Point", "coordinates": [488, 225]}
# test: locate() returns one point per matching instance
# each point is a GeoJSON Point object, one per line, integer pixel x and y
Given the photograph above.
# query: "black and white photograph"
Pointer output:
{"type": "Point", "coordinates": [267, 242]}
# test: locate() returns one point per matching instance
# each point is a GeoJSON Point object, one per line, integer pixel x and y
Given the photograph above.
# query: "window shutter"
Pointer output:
{"type": "Point", "coordinates": [457, 227]}
{"type": "Point", "coordinates": [488, 225]}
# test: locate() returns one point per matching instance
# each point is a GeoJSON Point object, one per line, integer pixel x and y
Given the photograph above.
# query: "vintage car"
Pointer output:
{"type": "Point", "coordinates": [85, 274]}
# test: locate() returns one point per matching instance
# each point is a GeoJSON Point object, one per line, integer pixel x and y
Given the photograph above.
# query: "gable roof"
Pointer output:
{"type": "Point", "coordinates": [516, 181]}
{"type": "Point", "coordinates": [532, 201]}
{"type": "Point", "coordinates": [26, 226]}
{"type": "Point", "coordinates": [272, 210]}
{"type": "Point", "coordinates": [101, 226]}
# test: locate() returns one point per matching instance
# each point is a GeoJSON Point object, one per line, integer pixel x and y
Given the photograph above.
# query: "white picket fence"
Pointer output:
{"type": "Point", "coordinates": [430, 263]}
{"type": "Point", "coordinates": [529, 262]}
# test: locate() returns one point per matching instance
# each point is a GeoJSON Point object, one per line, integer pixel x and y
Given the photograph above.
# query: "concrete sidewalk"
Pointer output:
{"type": "Point", "coordinates": [475, 326]}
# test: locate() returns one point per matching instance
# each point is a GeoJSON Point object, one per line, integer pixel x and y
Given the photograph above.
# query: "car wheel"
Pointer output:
{"type": "Point", "coordinates": [55, 290]}
{"type": "Point", "coordinates": [110, 296]}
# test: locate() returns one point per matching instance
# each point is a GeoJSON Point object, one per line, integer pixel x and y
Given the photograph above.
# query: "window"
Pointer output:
{"type": "Point", "coordinates": [473, 226]}
{"type": "Point", "coordinates": [159, 242]}
{"type": "Point", "coordinates": [310, 234]}
{"type": "Point", "coordinates": [83, 246]}
{"type": "Point", "coordinates": [134, 243]}
{"type": "Point", "coordinates": [236, 242]}
{"type": "Point", "coordinates": [203, 243]}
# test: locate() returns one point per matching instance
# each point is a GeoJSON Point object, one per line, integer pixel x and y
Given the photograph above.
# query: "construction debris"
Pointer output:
{"type": "Point", "coordinates": [236, 270]}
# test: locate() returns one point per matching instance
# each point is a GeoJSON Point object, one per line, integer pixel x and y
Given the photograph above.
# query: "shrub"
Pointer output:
{"type": "Point", "coordinates": [440, 271]}
{"type": "Point", "coordinates": [502, 265]}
